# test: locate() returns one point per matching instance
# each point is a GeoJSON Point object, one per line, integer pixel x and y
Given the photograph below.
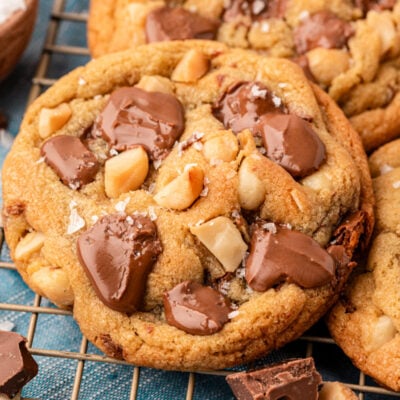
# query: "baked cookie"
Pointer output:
{"type": "Point", "coordinates": [350, 48]}
{"type": "Point", "coordinates": [366, 322]}
{"type": "Point", "coordinates": [170, 193]}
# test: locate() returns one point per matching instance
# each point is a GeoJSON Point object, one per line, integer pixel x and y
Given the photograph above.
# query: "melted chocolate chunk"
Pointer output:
{"type": "Point", "coordinates": [167, 23]}
{"type": "Point", "coordinates": [17, 366]}
{"type": "Point", "coordinates": [117, 254]}
{"type": "Point", "coordinates": [255, 9]}
{"type": "Point", "coordinates": [292, 143]}
{"type": "Point", "coordinates": [135, 117]}
{"type": "Point", "coordinates": [295, 379]}
{"type": "Point", "coordinates": [196, 309]}
{"type": "Point", "coordinates": [351, 230]}
{"type": "Point", "coordinates": [244, 103]}
{"type": "Point", "coordinates": [322, 29]}
{"type": "Point", "coordinates": [71, 160]}
{"type": "Point", "coordinates": [287, 255]}
{"type": "Point", "coordinates": [377, 5]}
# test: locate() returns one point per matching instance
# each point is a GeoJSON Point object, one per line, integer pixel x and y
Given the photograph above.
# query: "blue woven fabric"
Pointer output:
{"type": "Point", "coordinates": [101, 380]}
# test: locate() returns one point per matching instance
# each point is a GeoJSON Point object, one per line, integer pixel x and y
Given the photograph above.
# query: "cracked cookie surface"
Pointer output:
{"type": "Point", "coordinates": [151, 205]}
{"type": "Point", "coordinates": [350, 48]}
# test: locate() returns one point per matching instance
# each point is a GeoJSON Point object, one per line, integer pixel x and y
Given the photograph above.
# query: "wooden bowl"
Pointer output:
{"type": "Point", "coordinates": [15, 34]}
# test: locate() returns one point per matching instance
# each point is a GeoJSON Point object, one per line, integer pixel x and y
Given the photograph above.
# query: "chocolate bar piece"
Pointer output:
{"type": "Point", "coordinates": [292, 380]}
{"type": "Point", "coordinates": [17, 365]}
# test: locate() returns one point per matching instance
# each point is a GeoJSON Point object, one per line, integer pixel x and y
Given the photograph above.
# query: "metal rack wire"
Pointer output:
{"type": "Point", "coordinates": [366, 389]}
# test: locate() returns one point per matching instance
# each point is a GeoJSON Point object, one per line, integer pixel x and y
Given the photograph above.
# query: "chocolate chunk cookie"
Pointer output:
{"type": "Point", "coordinates": [365, 323]}
{"type": "Point", "coordinates": [350, 48]}
{"type": "Point", "coordinates": [164, 194]}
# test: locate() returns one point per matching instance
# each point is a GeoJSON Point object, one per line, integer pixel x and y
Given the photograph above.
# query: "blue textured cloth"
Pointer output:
{"type": "Point", "coordinates": [101, 380]}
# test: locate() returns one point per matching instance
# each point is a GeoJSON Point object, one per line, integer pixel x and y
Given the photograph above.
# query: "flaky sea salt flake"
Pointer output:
{"type": "Point", "coordinates": [121, 205]}
{"type": "Point", "coordinates": [396, 185]}
{"type": "Point", "coordinates": [76, 222]}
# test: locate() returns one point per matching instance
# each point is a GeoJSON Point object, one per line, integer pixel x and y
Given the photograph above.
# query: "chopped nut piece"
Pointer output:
{"type": "Point", "coordinates": [251, 188]}
{"type": "Point", "coordinates": [53, 119]}
{"type": "Point", "coordinates": [378, 332]}
{"type": "Point", "coordinates": [126, 171]}
{"type": "Point", "coordinates": [182, 191]}
{"type": "Point", "coordinates": [54, 284]}
{"type": "Point", "coordinates": [152, 83]}
{"type": "Point", "coordinates": [382, 22]}
{"type": "Point", "coordinates": [224, 240]}
{"type": "Point", "coordinates": [336, 391]}
{"type": "Point", "coordinates": [192, 67]}
{"type": "Point", "coordinates": [326, 64]}
{"type": "Point", "coordinates": [28, 245]}
{"type": "Point", "coordinates": [224, 148]}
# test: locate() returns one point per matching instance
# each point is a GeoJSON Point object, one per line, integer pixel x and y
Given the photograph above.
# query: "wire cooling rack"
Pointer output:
{"type": "Point", "coordinates": [134, 382]}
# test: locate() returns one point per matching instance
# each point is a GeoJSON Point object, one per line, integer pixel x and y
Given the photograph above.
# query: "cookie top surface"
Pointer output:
{"type": "Point", "coordinates": [131, 194]}
{"type": "Point", "coordinates": [350, 48]}
{"type": "Point", "coordinates": [366, 322]}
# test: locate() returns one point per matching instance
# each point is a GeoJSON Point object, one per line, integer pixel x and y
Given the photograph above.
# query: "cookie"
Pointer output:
{"type": "Point", "coordinates": [351, 49]}
{"type": "Point", "coordinates": [365, 323]}
{"type": "Point", "coordinates": [169, 202]}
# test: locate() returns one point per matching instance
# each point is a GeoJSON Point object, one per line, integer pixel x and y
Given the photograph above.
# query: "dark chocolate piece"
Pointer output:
{"type": "Point", "coordinates": [292, 143]}
{"type": "Point", "coordinates": [196, 309]}
{"type": "Point", "coordinates": [244, 103]}
{"type": "Point", "coordinates": [17, 366]}
{"type": "Point", "coordinates": [322, 29]}
{"type": "Point", "coordinates": [135, 117]}
{"type": "Point", "coordinates": [287, 255]}
{"type": "Point", "coordinates": [118, 253]}
{"type": "Point", "coordinates": [176, 23]}
{"type": "Point", "coordinates": [291, 380]}
{"type": "Point", "coordinates": [71, 160]}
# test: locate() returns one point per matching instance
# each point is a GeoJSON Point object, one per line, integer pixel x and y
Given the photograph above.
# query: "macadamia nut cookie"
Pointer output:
{"type": "Point", "coordinates": [366, 322]}
{"type": "Point", "coordinates": [350, 48]}
{"type": "Point", "coordinates": [191, 219]}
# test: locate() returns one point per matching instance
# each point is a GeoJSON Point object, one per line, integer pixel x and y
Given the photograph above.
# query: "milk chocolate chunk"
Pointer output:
{"type": "Point", "coordinates": [255, 9]}
{"type": "Point", "coordinates": [287, 255]}
{"type": "Point", "coordinates": [244, 103]}
{"type": "Point", "coordinates": [291, 380]}
{"type": "Point", "coordinates": [322, 29]}
{"type": "Point", "coordinates": [117, 254]}
{"type": "Point", "coordinates": [71, 160]}
{"type": "Point", "coordinates": [176, 23]}
{"type": "Point", "coordinates": [17, 366]}
{"type": "Point", "coordinates": [196, 309]}
{"type": "Point", "coordinates": [292, 143]}
{"type": "Point", "coordinates": [135, 117]}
